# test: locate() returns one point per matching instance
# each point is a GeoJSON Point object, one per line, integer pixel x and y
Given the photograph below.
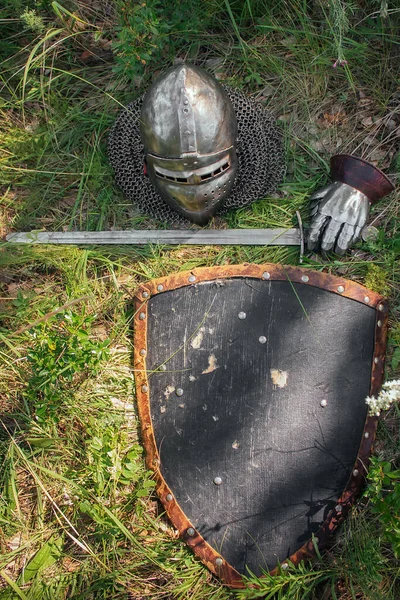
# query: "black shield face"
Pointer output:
{"type": "Point", "coordinates": [251, 384]}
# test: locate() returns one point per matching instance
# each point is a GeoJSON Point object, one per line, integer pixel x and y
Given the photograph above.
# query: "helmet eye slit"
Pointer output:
{"type": "Point", "coordinates": [224, 167]}
{"type": "Point", "coordinates": [203, 177]}
{"type": "Point", "coordinates": [170, 177]}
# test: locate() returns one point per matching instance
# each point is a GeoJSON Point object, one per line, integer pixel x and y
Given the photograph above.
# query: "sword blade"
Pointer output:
{"type": "Point", "coordinates": [220, 237]}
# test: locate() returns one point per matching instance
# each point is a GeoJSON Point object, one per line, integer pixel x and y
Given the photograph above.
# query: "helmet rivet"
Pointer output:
{"type": "Point", "coordinates": [218, 562]}
{"type": "Point", "coordinates": [324, 403]}
{"type": "Point", "coordinates": [366, 299]}
{"type": "Point", "coordinates": [355, 472]}
{"type": "Point", "coordinates": [242, 315]}
{"type": "Point", "coordinates": [381, 307]}
{"type": "Point", "coordinates": [168, 497]}
{"type": "Point", "coordinates": [338, 508]}
{"type": "Point", "coordinates": [192, 278]}
{"type": "Point", "coordinates": [285, 566]}
{"type": "Point", "coordinates": [379, 323]}
{"type": "Point", "coordinates": [145, 388]}
{"type": "Point", "coordinates": [266, 275]}
{"type": "Point", "coordinates": [160, 287]}
{"type": "Point", "coordinates": [190, 531]}
{"type": "Point", "coordinates": [179, 391]}
{"type": "Point", "coordinates": [142, 352]}
{"type": "Point", "coordinates": [366, 435]}
{"type": "Point", "coordinates": [376, 360]}
{"type": "Point", "coordinates": [262, 339]}
{"type": "Point", "coordinates": [305, 278]}
{"type": "Point", "coordinates": [145, 294]}
{"type": "Point", "coordinates": [340, 289]}
{"type": "Point", "coordinates": [142, 316]}
{"type": "Point", "coordinates": [217, 480]}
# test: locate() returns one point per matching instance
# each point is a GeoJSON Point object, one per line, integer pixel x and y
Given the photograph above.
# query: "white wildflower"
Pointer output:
{"type": "Point", "coordinates": [390, 385]}
{"type": "Point", "coordinates": [390, 393]}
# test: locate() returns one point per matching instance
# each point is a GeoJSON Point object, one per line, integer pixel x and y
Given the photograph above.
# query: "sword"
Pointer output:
{"type": "Point", "coordinates": [221, 237]}
{"type": "Point", "coordinates": [280, 236]}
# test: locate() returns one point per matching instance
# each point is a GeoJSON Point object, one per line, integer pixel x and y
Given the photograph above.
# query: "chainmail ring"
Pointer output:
{"type": "Point", "coordinates": [261, 165]}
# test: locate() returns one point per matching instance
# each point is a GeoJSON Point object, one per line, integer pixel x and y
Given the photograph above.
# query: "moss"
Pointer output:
{"type": "Point", "coordinates": [376, 280]}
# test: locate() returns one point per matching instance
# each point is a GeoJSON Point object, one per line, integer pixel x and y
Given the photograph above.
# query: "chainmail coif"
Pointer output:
{"type": "Point", "coordinates": [261, 165]}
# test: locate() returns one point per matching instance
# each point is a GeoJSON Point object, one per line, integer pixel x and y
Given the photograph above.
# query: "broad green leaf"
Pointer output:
{"type": "Point", "coordinates": [40, 442]}
{"type": "Point", "coordinates": [48, 554]}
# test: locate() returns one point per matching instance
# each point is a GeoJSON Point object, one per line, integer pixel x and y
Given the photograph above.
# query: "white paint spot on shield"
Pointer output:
{"type": "Point", "coordinates": [279, 378]}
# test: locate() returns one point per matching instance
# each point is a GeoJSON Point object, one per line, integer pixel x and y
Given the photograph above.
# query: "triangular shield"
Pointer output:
{"type": "Point", "coordinates": [251, 383]}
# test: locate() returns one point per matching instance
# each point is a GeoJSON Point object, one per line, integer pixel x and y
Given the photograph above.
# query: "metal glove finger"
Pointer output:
{"type": "Point", "coordinates": [330, 235]}
{"type": "Point", "coordinates": [357, 234]}
{"type": "Point", "coordinates": [345, 239]}
{"type": "Point", "coordinates": [343, 245]}
{"type": "Point", "coordinates": [320, 193]}
{"type": "Point", "coordinates": [314, 207]}
{"type": "Point", "coordinates": [317, 227]}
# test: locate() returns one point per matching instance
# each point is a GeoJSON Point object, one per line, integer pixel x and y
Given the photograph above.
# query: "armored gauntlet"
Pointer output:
{"type": "Point", "coordinates": [340, 210]}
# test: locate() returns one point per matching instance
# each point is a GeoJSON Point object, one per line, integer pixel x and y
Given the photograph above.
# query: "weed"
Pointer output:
{"type": "Point", "coordinates": [384, 495]}
{"type": "Point", "coordinates": [295, 583]}
{"type": "Point", "coordinates": [153, 33]}
{"type": "Point", "coordinates": [109, 464]}
{"type": "Point", "coordinates": [61, 354]}
{"type": "Point", "coordinates": [337, 19]}
{"type": "Point", "coordinates": [142, 37]}
{"type": "Point", "coordinates": [33, 21]}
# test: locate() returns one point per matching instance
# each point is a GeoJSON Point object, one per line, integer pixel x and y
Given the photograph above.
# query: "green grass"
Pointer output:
{"type": "Point", "coordinates": [78, 518]}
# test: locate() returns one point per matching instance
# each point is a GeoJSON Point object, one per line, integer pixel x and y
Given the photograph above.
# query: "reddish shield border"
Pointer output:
{"type": "Point", "coordinates": [337, 285]}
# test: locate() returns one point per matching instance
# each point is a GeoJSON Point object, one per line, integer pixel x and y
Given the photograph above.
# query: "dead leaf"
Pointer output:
{"type": "Point", "coordinates": [336, 118]}
{"type": "Point", "coordinates": [367, 122]}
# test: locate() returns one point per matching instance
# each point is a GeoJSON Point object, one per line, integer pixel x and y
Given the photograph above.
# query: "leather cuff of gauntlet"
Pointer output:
{"type": "Point", "coordinates": [361, 175]}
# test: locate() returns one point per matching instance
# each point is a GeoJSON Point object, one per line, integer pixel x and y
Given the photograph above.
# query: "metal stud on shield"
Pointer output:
{"type": "Point", "coordinates": [257, 430]}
